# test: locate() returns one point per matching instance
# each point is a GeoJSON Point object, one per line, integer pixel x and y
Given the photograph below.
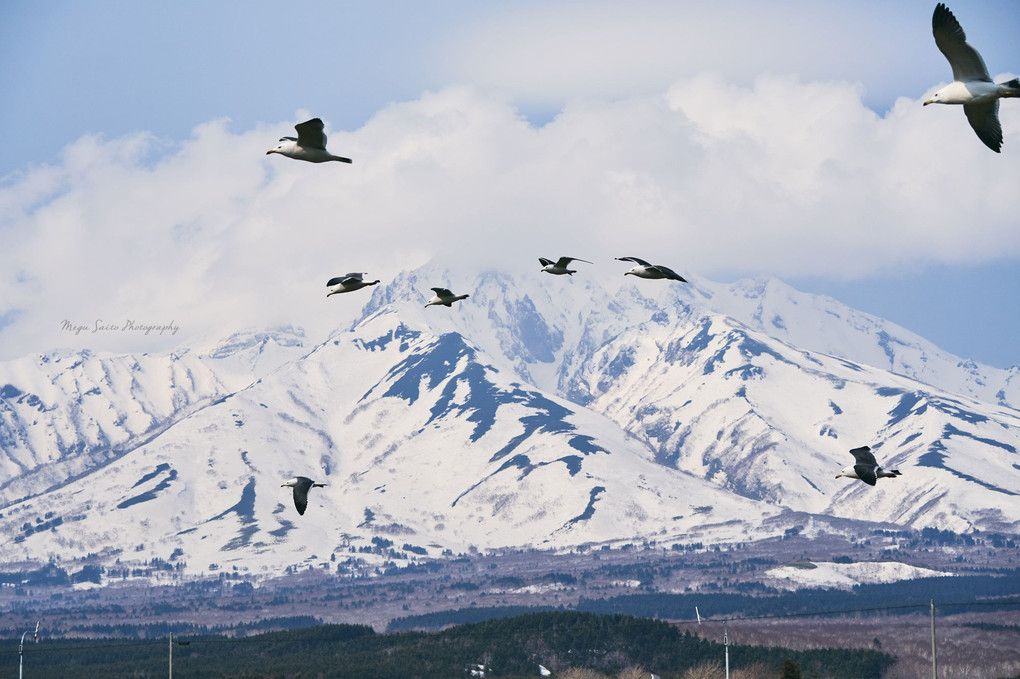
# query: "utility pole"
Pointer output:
{"type": "Point", "coordinates": [726, 645]}
{"type": "Point", "coordinates": [934, 661]}
{"type": "Point", "coordinates": [21, 647]}
{"type": "Point", "coordinates": [725, 638]}
{"type": "Point", "coordinates": [179, 643]}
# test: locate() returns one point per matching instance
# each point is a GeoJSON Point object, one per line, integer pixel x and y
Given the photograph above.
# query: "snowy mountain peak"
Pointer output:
{"type": "Point", "coordinates": [259, 341]}
{"type": "Point", "coordinates": [541, 411]}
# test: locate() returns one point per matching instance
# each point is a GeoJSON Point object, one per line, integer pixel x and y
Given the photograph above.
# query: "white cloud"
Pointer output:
{"type": "Point", "coordinates": [784, 177]}
{"type": "Point", "coordinates": [548, 52]}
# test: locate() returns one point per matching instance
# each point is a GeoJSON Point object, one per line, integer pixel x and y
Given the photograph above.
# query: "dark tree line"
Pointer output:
{"type": "Point", "coordinates": [508, 647]}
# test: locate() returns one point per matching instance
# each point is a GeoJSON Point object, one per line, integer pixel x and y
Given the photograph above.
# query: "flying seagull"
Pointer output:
{"type": "Point", "coordinates": [444, 297]}
{"type": "Point", "coordinates": [310, 144]}
{"type": "Point", "coordinates": [643, 269]}
{"type": "Point", "coordinates": [866, 467]}
{"type": "Point", "coordinates": [559, 267]}
{"type": "Point", "coordinates": [301, 486]}
{"type": "Point", "coordinates": [972, 87]}
{"type": "Point", "coordinates": [347, 283]}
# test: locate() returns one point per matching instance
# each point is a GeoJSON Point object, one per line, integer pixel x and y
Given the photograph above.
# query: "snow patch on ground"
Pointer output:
{"type": "Point", "coordinates": [845, 575]}
{"type": "Point", "coordinates": [536, 589]}
{"type": "Point", "coordinates": [626, 583]}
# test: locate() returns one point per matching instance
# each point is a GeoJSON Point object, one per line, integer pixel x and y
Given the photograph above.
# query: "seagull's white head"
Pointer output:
{"type": "Point", "coordinates": [284, 147]}
{"type": "Point", "coordinates": [958, 93]}
{"type": "Point", "coordinates": [848, 472]}
{"type": "Point", "coordinates": [293, 482]}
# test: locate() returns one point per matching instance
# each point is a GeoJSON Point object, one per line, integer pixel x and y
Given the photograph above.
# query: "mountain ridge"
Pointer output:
{"type": "Point", "coordinates": [539, 414]}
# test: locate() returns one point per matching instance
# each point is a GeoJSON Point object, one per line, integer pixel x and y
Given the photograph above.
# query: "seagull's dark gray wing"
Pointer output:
{"type": "Point", "coordinates": [636, 260]}
{"type": "Point", "coordinates": [310, 134]}
{"type": "Point", "coordinates": [564, 261]}
{"type": "Point", "coordinates": [544, 262]}
{"type": "Point", "coordinates": [356, 275]}
{"type": "Point", "coordinates": [952, 42]}
{"type": "Point", "coordinates": [984, 118]}
{"type": "Point", "coordinates": [442, 292]}
{"type": "Point", "coordinates": [670, 274]}
{"type": "Point", "coordinates": [301, 493]}
{"type": "Point", "coordinates": [866, 473]}
{"type": "Point", "coordinates": [288, 138]}
{"type": "Point", "coordinates": [335, 281]}
{"type": "Point", "coordinates": [300, 499]}
{"type": "Point", "coordinates": [863, 455]}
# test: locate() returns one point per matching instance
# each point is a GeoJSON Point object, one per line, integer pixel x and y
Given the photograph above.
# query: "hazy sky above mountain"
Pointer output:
{"type": "Point", "coordinates": [724, 139]}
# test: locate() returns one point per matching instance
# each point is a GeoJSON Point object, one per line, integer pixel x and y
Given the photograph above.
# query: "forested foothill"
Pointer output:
{"type": "Point", "coordinates": [506, 647]}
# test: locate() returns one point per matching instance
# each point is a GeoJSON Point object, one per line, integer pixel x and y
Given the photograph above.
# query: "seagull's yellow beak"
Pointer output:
{"type": "Point", "coordinates": [838, 475]}
{"type": "Point", "coordinates": [930, 101]}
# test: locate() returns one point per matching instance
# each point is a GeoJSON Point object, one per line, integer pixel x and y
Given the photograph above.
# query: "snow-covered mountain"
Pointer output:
{"type": "Point", "coordinates": [824, 325]}
{"type": "Point", "coordinates": [63, 414]}
{"type": "Point", "coordinates": [545, 412]}
{"type": "Point", "coordinates": [734, 405]}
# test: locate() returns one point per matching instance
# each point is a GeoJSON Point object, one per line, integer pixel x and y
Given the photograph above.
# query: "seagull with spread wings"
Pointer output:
{"type": "Point", "coordinates": [643, 269]}
{"type": "Point", "coordinates": [348, 283]}
{"type": "Point", "coordinates": [560, 266]}
{"type": "Point", "coordinates": [866, 468]}
{"type": "Point", "coordinates": [301, 486]}
{"type": "Point", "coordinates": [972, 87]}
{"type": "Point", "coordinates": [444, 297]}
{"type": "Point", "coordinates": [310, 144]}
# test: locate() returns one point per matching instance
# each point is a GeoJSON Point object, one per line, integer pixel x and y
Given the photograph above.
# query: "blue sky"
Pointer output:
{"type": "Point", "coordinates": [737, 139]}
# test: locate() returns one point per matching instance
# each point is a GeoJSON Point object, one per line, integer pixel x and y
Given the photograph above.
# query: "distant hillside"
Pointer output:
{"type": "Point", "coordinates": [962, 593]}
{"type": "Point", "coordinates": [907, 596]}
